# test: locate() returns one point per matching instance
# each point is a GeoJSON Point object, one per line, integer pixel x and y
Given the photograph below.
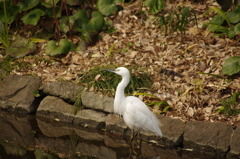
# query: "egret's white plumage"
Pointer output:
{"type": "Point", "coordinates": [135, 113]}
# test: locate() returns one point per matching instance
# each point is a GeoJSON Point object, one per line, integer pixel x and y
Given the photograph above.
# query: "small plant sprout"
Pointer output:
{"type": "Point", "coordinates": [78, 103]}
{"type": "Point", "coordinates": [176, 20]}
{"type": "Point", "coordinates": [36, 93]}
{"type": "Point", "coordinates": [229, 106]}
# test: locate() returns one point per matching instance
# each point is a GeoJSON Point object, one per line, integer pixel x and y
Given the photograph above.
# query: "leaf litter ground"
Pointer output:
{"type": "Point", "coordinates": [182, 67]}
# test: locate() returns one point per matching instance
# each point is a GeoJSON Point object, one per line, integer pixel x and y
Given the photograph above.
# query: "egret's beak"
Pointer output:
{"type": "Point", "coordinates": [109, 70]}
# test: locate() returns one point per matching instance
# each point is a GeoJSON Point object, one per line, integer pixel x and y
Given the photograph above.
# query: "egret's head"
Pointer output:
{"type": "Point", "coordinates": [122, 71]}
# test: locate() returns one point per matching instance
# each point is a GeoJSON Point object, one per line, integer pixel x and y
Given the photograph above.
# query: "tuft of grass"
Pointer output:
{"type": "Point", "coordinates": [106, 82]}
{"type": "Point", "coordinates": [7, 64]}
{"type": "Point", "coordinates": [78, 103]}
{"type": "Point", "coordinates": [177, 20]}
{"type": "Point", "coordinates": [228, 106]}
{"type": "Point", "coordinates": [156, 102]}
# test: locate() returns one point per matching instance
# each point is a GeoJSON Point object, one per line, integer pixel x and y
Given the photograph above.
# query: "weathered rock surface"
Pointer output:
{"type": "Point", "coordinates": [115, 124]}
{"type": "Point", "coordinates": [16, 129]}
{"type": "Point", "coordinates": [55, 108]}
{"type": "Point", "coordinates": [97, 102]}
{"type": "Point", "coordinates": [208, 137]}
{"type": "Point", "coordinates": [96, 151]}
{"type": "Point", "coordinates": [17, 93]}
{"type": "Point", "coordinates": [159, 153]}
{"type": "Point", "coordinates": [63, 89]}
{"type": "Point", "coordinates": [172, 130]}
{"type": "Point", "coordinates": [90, 118]}
{"type": "Point", "coordinates": [53, 129]}
{"type": "Point", "coordinates": [56, 145]}
{"type": "Point", "coordinates": [235, 144]}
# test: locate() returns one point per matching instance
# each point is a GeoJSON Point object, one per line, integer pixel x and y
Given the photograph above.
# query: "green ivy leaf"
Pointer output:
{"type": "Point", "coordinates": [64, 27]}
{"type": "Point", "coordinates": [231, 33]}
{"type": "Point", "coordinates": [154, 5]}
{"type": "Point", "coordinates": [106, 7]}
{"type": "Point", "coordinates": [221, 13]}
{"type": "Point", "coordinates": [217, 19]}
{"type": "Point", "coordinates": [231, 65]}
{"type": "Point", "coordinates": [12, 11]}
{"type": "Point", "coordinates": [75, 2]}
{"type": "Point", "coordinates": [234, 16]}
{"type": "Point", "coordinates": [219, 28]}
{"type": "Point", "coordinates": [76, 19]}
{"type": "Point", "coordinates": [27, 4]}
{"type": "Point", "coordinates": [237, 28]}
{"type": "Point", "coordinates": [21, 47]}
{"type": "Point", "coordinates": [97, 21]}
{"type": "Point", "coordinates": [63, 47]}
{"type": "Point", "coordinates": [32, 17]}
{"type": "Point", "coordinates": [50, 12]}
{"type": "Point", "coordinates": [79, 18]}
{"type": "Point", "coordinates": [49, 4]}
{"type": "Point", "coordinates": [87, 27]}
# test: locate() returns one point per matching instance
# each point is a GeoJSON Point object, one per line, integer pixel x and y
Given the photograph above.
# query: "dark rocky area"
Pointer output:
{"type": "Point", "coordinates": [17, 95]}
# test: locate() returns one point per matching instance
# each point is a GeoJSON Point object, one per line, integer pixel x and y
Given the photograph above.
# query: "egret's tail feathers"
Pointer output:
{"type": "Point", "coordinates": [159, 132]}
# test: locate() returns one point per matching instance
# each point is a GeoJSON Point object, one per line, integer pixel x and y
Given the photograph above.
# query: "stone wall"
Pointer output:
{"type": "Point", "coordinates": [56, 102]}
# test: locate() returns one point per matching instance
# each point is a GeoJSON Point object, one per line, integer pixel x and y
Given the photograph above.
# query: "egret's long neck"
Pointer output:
{"type": "Point", "coordinates": [120, 88]}
{"type": "Point", "coordinates": [119, 106]}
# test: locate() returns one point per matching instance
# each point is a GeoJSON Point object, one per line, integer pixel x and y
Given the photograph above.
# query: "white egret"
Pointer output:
{"type": "Point", "coordinates": [136, 114]}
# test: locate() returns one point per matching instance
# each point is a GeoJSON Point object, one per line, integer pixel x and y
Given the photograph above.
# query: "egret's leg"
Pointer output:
{"type": "Point", "coordinates": [140, 146]}
{"type": "Point", "coordinates": [131, 143]}
{"type": "Point", "coordinates": [133, 136]}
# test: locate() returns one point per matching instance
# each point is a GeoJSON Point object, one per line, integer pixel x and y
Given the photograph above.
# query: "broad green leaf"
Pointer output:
{"type": "Point", "coordinates": [49, 3]}
{"type": "Point", "coordinates": [87, 27]}
{"type": "Point", "coordinates": [53, 49]}
{"type": "Point", "coordinates": [237, 28]}
{"type": "Point", "coordinates": [231, 65]}
{"type": "Point", "coordinates": [106, 7]}
{"type": "Point", "coordinates": [221, 13]}
{"type": "Point", "coordinates": [218, 28]}
{"type": "Point", "coordinates": [12, 11]}
{"type": "Point", "coordinates": [107, 24]}
{"type": "Point", "coordinates": [234, 16]}
{"type": "Point", "coordinates": [111, 30]}
{"type": "Point", "coordinates": [80, 18]}
{"type": "Point", "coordinates": [154, 5]}
{"type": "Point", "coordinates": [21, 47]}
{"type": "Point", "coordinates": [97, 21]}
{"type": "Point", "coordinates": [50, 12]}
{"type": "Point", "coordinates": [32, 17]}
{"type": "Point", "coordinates": [64, 27]}
{"type": "Point", "coordinates": [75, 2]}
{"type": "Point", "coordinates": [27, 4]}
{"type": "Point", "coordinates": [231, 33]}
{"type": "Point", "coordinates": [217, 19]}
